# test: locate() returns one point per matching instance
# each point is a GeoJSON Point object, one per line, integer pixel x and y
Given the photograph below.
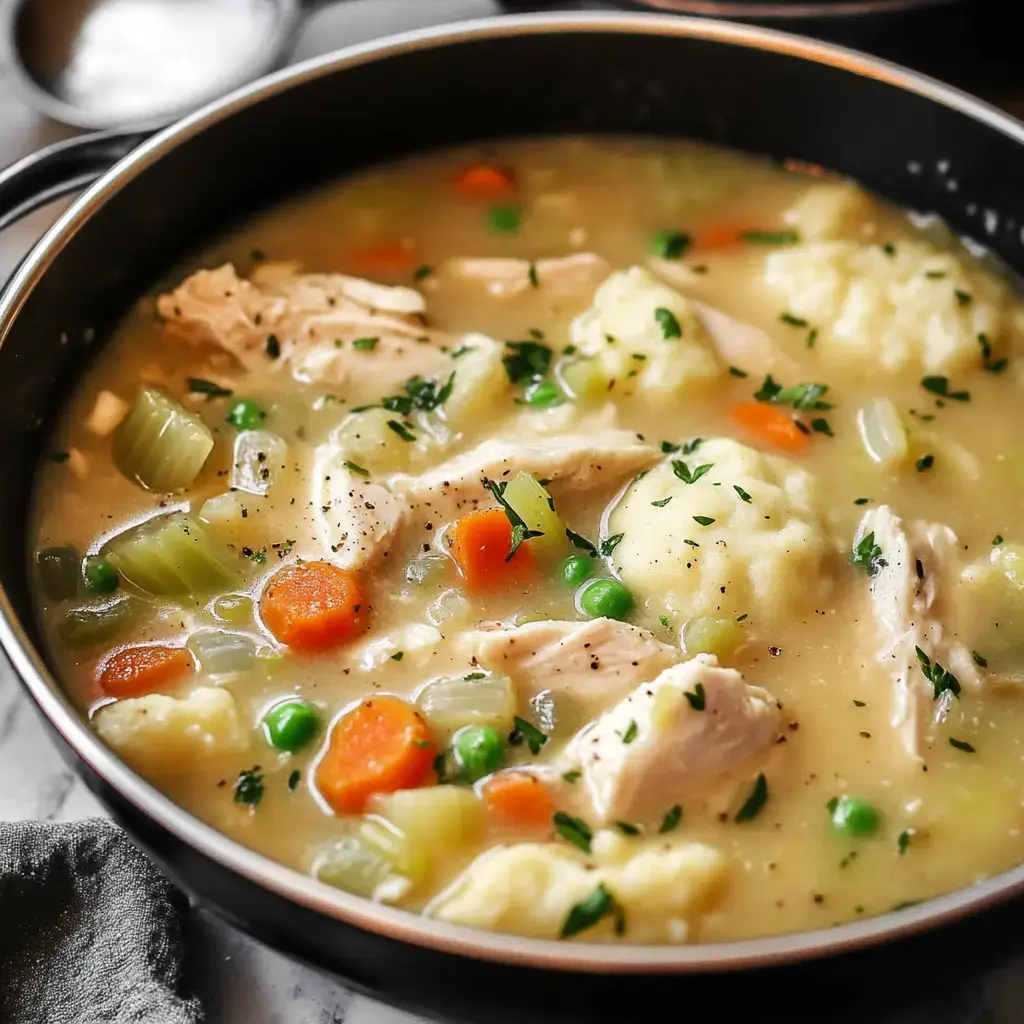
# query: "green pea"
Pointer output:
{"type": "Point", "coordinates": [576, 569]}
{"type": "Point", "coordinates": [504, 219]}
{"type": "Point", "coordinates": [99, 576]}
{"type": "Point", "coordinates": [852, 816]}
{"type": "Point", "coordinates": [245, 414]}
{"type": "Point", "coordinates": [479, 750]}
{"type": "Point", "coordinates": [606, 598]}
{"type": "Point", "coordinates": [291, 724]}
{"type": "Point", "coordinates": [544, 394]}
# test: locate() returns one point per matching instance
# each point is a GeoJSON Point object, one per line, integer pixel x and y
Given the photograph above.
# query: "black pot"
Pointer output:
{"type": "Point", "coordinates": [909, 138]}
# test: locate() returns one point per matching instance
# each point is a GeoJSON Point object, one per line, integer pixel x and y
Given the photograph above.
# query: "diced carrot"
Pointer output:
{"type": "Point", "coordinates": [720, 236]}
{"type": "Point", "coordinates": [136, 671]}
{"type": "Point", "coordinates": [480, 544]}
{"type": "Point", "coordinates": [390, 256]}
{"type": "Point", "coordinates": [484, 180]}
{"type": "Point", "coordinates": [770, 423]}
{"type": "Point", "coordinates": [314, 606]}
{"type": "Point", "coordinates": [380, 746]}
{"type": "Point", "coordinates": [519, 799]}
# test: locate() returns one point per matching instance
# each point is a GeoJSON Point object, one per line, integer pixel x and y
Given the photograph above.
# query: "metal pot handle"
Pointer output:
{"type": "Point", "coordinates": [60, 169]}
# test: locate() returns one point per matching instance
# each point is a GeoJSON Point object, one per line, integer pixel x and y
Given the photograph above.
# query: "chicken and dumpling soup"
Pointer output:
{"type": "Point", "coordinates": [607, 540]}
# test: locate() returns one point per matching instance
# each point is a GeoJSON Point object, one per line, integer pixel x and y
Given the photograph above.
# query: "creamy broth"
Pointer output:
{"type": "Point", "coordinates": [947, 814]}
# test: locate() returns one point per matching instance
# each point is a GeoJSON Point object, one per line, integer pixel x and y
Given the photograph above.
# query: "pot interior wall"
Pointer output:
{"type": "Point", "coordinates": [548, 81]}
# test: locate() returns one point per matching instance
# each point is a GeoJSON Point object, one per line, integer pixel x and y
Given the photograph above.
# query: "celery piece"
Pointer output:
{"type": "Point", "coordinates": [160, 445]}
{"type": "Point", "coordinates": [58, 572]}
{"type": "Point", "coordinates": [393, 844]}
{"type": "Point", "coordinates": [172, 556]}
{"type": "Point", "coordinates": [352, 865]}
{"type": "Point", "coordinates": [532, 503]}
{"type": "Point", "coordinates": [450, 703]}
{"type": "Point", "coordinates": [95, 623]}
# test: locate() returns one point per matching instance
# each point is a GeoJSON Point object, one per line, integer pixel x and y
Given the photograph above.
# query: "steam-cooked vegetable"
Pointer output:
{"type": "Point", "coordinates": [705, 635]}
{"type": "Point", "coordinates": [161, 445]}
{"type": "Point", "coordinates": [259, 458]}
{"type": "Point", "coordinates": [477, 698]}
{"type": "Point", "coordinates": [222, 653]}
{"type": "Point", "coordinates": [882, 432]}
{"type": "Point", "coordinates": [58, 572]}
{"type": "Point", "coordinates": [100, 622]}
{"type": "Point", "coordinates": [532, 503]}
{"type": "Point", "coordinates": [435, 819]}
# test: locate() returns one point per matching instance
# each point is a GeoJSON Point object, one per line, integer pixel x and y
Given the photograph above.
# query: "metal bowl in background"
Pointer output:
{"type": "Point", "coordinates": [901, 134]}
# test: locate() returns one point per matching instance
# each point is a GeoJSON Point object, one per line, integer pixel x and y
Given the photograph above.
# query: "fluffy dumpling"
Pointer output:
{"type": "Point", "coordinates": [658, 888]}
{"type": "Point", "coordinates": [887, 307]}
{"type": "Point", "coordinates": [744, 537]}
{"type": "Point", "coordinates": [836, 209]}
{"type": "Point", "coordinates": [641, 330]}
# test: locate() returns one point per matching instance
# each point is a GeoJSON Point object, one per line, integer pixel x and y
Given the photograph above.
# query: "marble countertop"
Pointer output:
{"type": "Point", "coordinates": [241, 980]}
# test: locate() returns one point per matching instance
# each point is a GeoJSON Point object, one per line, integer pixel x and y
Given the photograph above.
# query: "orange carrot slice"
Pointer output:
{"type": "Point", "coordinates": [136, 671]}
{"type": "Point", "coordinates": [516, 798]}
{"type": "Point", "coordinates": [390, 256]}
{"type": "Point", "coordinates": [480, 545]}
{"type": "Point", "coordinates": [773, 425]}
{"type": "Point", "coordinates": [380, 746]}
{"type": "Point", "coordinates": [485, 181]}
{"type": "Point", "coordinates": [314, 606]}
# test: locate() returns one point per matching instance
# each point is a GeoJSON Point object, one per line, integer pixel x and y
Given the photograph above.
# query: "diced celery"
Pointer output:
{"type": "Point", "coordinates": [258, 461]}
{"type": "Point", "coordinates": [705, 635]}
{"type": "Point", "coordinates": [392, 844]}
{"type": "Point", "coordinates": [161, 445]}
{"type": "Point", "coordinates": [99, 622]}
{"type": "Point", "coordinates": [367, 440]}
{"type": "Point", "coordinates": [172, 556]}
{"type": "Point", "coordinates": [434, 819]}
{"type": "Point", "coordinates": [233, 608]}
{"type": "Point", "coordinates": [452, 702]}
{"type": "Point", "coordinates": [58, 570]}
{"type": "Point", "coordinates": [355, 866]}
{"type": "Point", "coordinates": [534, 506]}
{"type": "Point", "coordinates": [584, 379]}
{"type": "Point", "coordinates": [882, 431]}
{"type": "Point", "coordinates": [219, 653]}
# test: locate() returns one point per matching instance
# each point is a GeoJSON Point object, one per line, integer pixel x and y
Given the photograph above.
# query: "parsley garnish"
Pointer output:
{"type": "Point", "coordinates": [889, 249]}
{"type": "Point", "coordinates": [903, 841]}
{"type": "Point", "coordinates": [692, 445]}
{"type": "Point", "coordinates": [531, 276]}
{"type": "Point", "coordinates": [627, 829]}
{"type": "Point", "coordinates": [979, 659]}
{"type": "Point", "coordinates": [683, 472]}
{"type": "Point", "coordinates": [273, 346]}
{"type": "Point", "coordinates": [258, 556]}
{"type": "Point", "coordinates": [402, 431]}
{"type": "Point", "coordinates": [743, 617]}
{"type": "Point", "coordinates": [935, 275]}
{"type": "Point", "coordinates": [755, 802]}
{"type": "Point", "coordinates": [868, 555]}
{"type": "Point", "coordinates": [963, 298]}
{"type": "Point", "coordinates": [58, 457]}
{"type": "Point", "coordinates": [940, 678]}
{"type": "Point", "coordinates": [812, 337]}
{"type": "Point", "coordinates": [474, 676]}
{"type": "Point", "coordinates": [821, 426]}
{"type": "Point", "coordinates": [398, 656]}
{"type": "Point", "coordinates": [737, 372]}
{"type": "Point", "coordinates": [631, 732]}
{"type": "Point", "coordinates": [293, 780]}
{"type": "Point", "coordinates": [703, 520]}
{"type": "Point", "coordinates": [534, 738]}
{"type": "Point", "coordinates": [663, 619]}
{"type": "Point", "coordinates": [199, 386]}
{"type": "Point", "coordinates": [744, 495]}
{"type": "Point", "coordinates": [575, 830]}
{"type": "Point", "coordinates": [925, 462]}
{"type": "Point", "coordinates": [668, 323]}
{"type": "Point", "coordinates": [504, 219]}
{"type": "Point", "coordinates": [962, 745]}
{"type": "Point", "coordinates": [861, 501]}
{"type": "Point", "coordinates": [572, 776]}
{"type": "Point", "coordinates": [940, 386]}
{"type": "Point", "coordinates": [697, 699]}
{"type": "Point", "coordinates": [793, 321]}
{"type": "Point", "coordinates": [597, 906]}
{"type": "Point", "coordinates": [997, 540]}
{"type": "Point", "coordinates": [609, 544]}
{"type": "Point", "coordinates": [526, 361]}
{"type": "Point", "coordinates": [662, 503]}
{"type": "Point", "coordinates": [365, 344]}
{"type": "Point", "coordinates": [355, 468]}
{"type": "Point", "coordinates": [799, 396]}
{"type": "Point", "coordinates": [249, 787]}
{"type": "Point", "coordinates": [670, 245]}
{"type": "Point", "coordinates": [860, 704]}
{"type": "Point", "coordinates": [770, 237]}
{"type": "Point", "coordinates": [672, 818]}
{"type": "Point", "coordinates": [988, 363]}
{"type": "Point", "coordinates": [462, 350]}
{"type": "Point", "coordinates": [669, 448]}
{"type": "Point", "coordinates": [579, 541]}
{"type": "Point", "coordinates": [520, 531]}
{"type": "Point", "coordinates": [422, 272]}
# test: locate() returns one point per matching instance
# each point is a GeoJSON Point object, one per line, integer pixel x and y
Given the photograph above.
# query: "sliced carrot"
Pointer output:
{"type": "Point", "coordinates": [484, 180]}
{"type": "Point", "coordinates": [519, 799]}
{"type": "Point", "coordinates": [314, 606]}
{"type": "Point", "coordinates": [480, 545]}
{"type": "Point", "coordinates": [772, 424]}
{"type": "Point", "coordinates": [380, 746]}
{"type": "Point", "coordinates": [136, 671]}
{"type": "Point", "coordinates": [390, 256]}
{"type": "Point", "coordinates": [720, 236]}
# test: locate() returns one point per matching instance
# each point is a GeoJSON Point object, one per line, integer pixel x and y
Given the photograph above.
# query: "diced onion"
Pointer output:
{"type": "Point", "coordinates": [258, 460]}
{"type": "Point", "coordinates": [450, 703]}
{"type": "Point", "coordinates": [220, 653]}
{"type": "Point", "coordinates": [882, 432]}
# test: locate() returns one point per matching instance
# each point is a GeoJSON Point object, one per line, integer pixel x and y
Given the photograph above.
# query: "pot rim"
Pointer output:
{"type": "Point", "coordinates": [291, 884]}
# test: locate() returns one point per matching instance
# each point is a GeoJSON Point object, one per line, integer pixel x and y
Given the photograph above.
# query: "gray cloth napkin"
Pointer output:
{"type": "Point", "coordinates": [90, 931]}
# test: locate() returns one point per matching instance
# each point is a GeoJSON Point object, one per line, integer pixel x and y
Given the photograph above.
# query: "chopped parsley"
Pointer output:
{"type": "Point", "coordinates": [398, 656]}
{"type": "Point", "coordinates": [672, 818]}
{"type": "Point", "coordinates": [365, 344]}
{"type": "Point", "coordinates": [889, 249]}
{"type": "Point", "coordinates": [462, 350]}
{"type": "Point", "coordinates": [799, 396]}
{"type": "Point", "coordinates": [744, 495]}
{"type": "Point", "coordinates": [697, 698]}
{"type": "Point", "coordinates": [422, 272]}
{"type": "Point", "coordinates": [273, 346]}
{"type": "Point", "coordinates": [199, 386]}
{"type": "Point", "coordinates": [663, 619]}
{"type": "Point", "coordinates": [520, 531]}
{"type": "Point", "coordinates": [401, 430]}
{"type": "Point", "coordinates": [627, 829]}
{"type": "Point", "coordinates": [860, 704]}
{"type": "Point", "coordinates": [754, 803]}
{"type": "Point", "coordinates": [997, 540]}
{"type": "Point", "coordinates": [935, 275]}
{"type": "Point", "coordinates": [770, 237]}
{"type": "Point", "coordinates": [692, 445]}
{"type": "Point", "coordinates": [940, 386]}
{"type": "Point", "coordinates": [354, 468]}
{"type": "Point", "coordinates": [259, 556]}
{"type": "Point", "coordinates": [868, 555]}
{"type": "Point", "coordinates": [662, 502]}
{"type": "Point", "coordinates": [988, 363]}
{"type": "Point", "coordinates": [812, 337]}
{"type": "Point", "coordinates": [668, 323]}
{"type": "Point", "coordinates": [534, 738]}
{"type": "Point", "coordinates": [979, 659]}
{"type": "Point", "coordinates": [670, 245]}
{"type": "Point", "coordinates": [925, 462]}
{"type": "Point", "coordinates": [631, 732]}
{"type": "Point", "coordinates": [531, 276]}
{"type": "Point", "coordinates": [743, 617]}
{"type": "Point", "coordinates": [669, 448]}
{"type": "Point", "coordinates": [737, 372]}
{"type": "Point", "coordinates": [294, 779]}
{"type": "Point", "coordinates": [940, 678]}
{"type": "Point", "coordinates": [58, 457]}
{"type": "Point", "coordinates": [249, 787]}
{"type": "Point", "coordinates": [504, 219]}
{"type": "Point", "coordinates": [575, 830]}
{"type": "Point", "coordinates": [525, 361]}
{"type": "Point", "coordinates": [688, 476]}
{"type": "Point", "coordinates": [963, 298]}
{"type": "Point", "coordinates": [793, 321]}
{"type": "Point", "coordinates": [472, 676]}
{"type": "Point", "coordinates": [579, 541]}
{"type": "Point", "coordinates": [703, 521]}
{"type": "Point", "coordinates": [572, 777]}
{"type": "Point", "coordinates": [861, 501]}
{"type": "Point", "coordinates": [903, 841]}
{"type": "Point", "coordinates": [609, 544]}
{"type": "Point", "coordinates": [821, 426]}
{"type": "Point", "coordinates": [962, 745]}
{"type": "Point", "coordinates": [588, 912]}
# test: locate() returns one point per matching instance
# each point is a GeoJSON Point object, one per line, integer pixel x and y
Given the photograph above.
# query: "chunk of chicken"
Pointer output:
{"type": "Point", "coordinates": [905, 599]}
{"type": "Point", "coordinates": [693, 722]}
{"type": "Point", "coordinates": [507, 278]}
{"type": "Point", "coordinates": [313, 318]}
{"type": "Point", "coordinates": [595, 662]}
{"type": "Point", "coordinates": [577, 461]}
{"type": "Point", "coordinates": [357, 519]}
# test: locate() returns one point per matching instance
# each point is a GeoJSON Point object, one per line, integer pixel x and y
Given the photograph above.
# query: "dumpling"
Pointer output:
{"type": "Point", "coordinates": [642, 331]}
{"type": "Point", "coordinates": [744, 537]}
{"type": "Point", "coordinates": [891, 307]}
{"type": "Point", "coordinates": [835, 209]}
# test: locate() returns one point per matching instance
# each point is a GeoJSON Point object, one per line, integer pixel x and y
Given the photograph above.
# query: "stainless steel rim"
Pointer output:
{"type": "Point", "coordinates": [789, 11]}
{"type": "Point", "coordinates": [292, 885]}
